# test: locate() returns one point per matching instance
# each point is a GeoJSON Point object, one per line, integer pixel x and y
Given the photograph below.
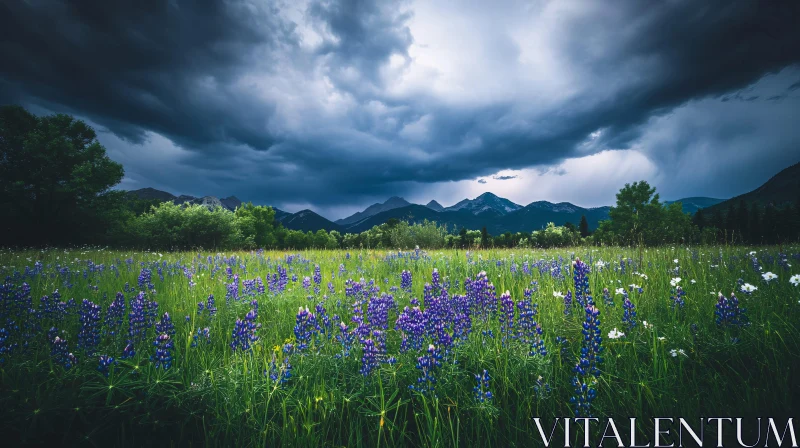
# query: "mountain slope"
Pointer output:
{"type": "Point", "coordinates": [780, 190]}
{"type": "Point", "coordinates": [487, 202]}
{"type": "Point", "coordinates": [152, 193]}
{"type": "Point", "coordinates": [415, 213]}
{"type": "Point", "coordinates": [693, 204]}
{"type": "Point", "coordinates": [537, 215]}
{"type": "Point", "coordinates": [391, 203]}
{"type": "Point", "coordinates": [307, 220]}
{"type": "Point", "coordinates": [526, 219]}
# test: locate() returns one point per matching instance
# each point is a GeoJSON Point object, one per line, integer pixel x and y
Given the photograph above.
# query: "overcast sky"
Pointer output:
{"type": "Point", "coordinates": [335, 105]}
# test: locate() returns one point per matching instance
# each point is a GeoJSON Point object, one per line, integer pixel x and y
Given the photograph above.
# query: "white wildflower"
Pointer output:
{"type": "Point", "coordinates": [768, 276]}
{"type": "Point", "coordinates": [615, 334]}
{"type": "Point", "coordinates": [748, 288]}
{"type": "Point", "coordinates": [795, 280]}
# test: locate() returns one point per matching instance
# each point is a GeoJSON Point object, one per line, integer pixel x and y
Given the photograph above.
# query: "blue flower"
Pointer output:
{"type": "Point", "coordinates": [163, 356]}
{"type": "Point", "coordinates": [481, 390]}
{"type": "Point", "coordinates": [104, 362]}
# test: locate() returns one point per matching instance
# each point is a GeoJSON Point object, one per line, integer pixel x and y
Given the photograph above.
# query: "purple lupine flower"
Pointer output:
{"type": "Point", "coordinates": [607, 297]}
{"type": "Point", "coordinates": [115, 314]}
{"type": "Point", "coordinates": [306, 282]}
{"type": "Point", "coordinates": [104, 362]}
{"type": "Point", "coordinates": [583, 294]}
{"type": "Point", "coordinates": [279, 374]}
{"type": "Point", "coordinates": [378, 310]}
{"type": "Point", "coordinates": [481, 390]}
{"type": "Point", "coordinates": [260, 286]}
{"type": "Point", "coordinates": [481, 295]}
{"type": "Point", "coordinates": [283, 278]}
{"type": "Point", "coordinates": [588, 364]}
{"type": "Point", "coordinates": [165, 325]}
{"type": "Point", "coordinates": [163, 356]}
{"type": "Point", "coordinates": [248, 288]}
{"type": "Point", "coordinates": [245, 332]}
{"type": "Point", "coordinates": [323, 321]}
{"type": "Point", "coordinates": [61, 354]}
{"type": "Point", "coordinates": [568, 303]}
{"type": "Point", "coordinates": [211, 306]}
{"type": "Point", "coordinates": [428, 363]}
{"type": "Point", "coordinates": [526, 268]}
{"type": "Point", "coordinates": [369, 358]}
{"type": "Point", "coordinates": [380, 345]}
{"type": "Point", "coordinates": [728, 312]}
{"type": "Point", "coordinates": [406, 281]}
{"type": "Point", "coordinates": [629, 315]}
{"type": "Point", "coordinates": [89, 333]}
{"type": "Point", "coordinates": [506, 317]}
{"type": "Point", "coordinates": [232, 289]}
{"type": "Point", "coordinates": [145, 277]}
{"type": "Point", "coordinates": [317, 275]}
{"type": "Point", "coordinates": [129, 351]}
{"type": "Point", "coordinates": [6, 348]}
{"type": "Point", "coordinates": [530, 332]}
{"type": "Point", "coordinates": [677, 297]}
{"type": "Point", "coordinates": [411, 324]}
{"type": "Point", "coordinates": [435, 281]}
{"type": "Point", "coordinates": [346, 338]}
{"type": "Point", "coordinates": [304, 328]}
{"type": "Point", "coordinates": [202, 333]}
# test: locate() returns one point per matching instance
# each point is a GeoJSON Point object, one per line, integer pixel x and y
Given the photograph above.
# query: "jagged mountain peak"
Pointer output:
{"type": "Point", "coordinates": [433, 205]}
{"type": "Point", "coordinates": [486, 202]}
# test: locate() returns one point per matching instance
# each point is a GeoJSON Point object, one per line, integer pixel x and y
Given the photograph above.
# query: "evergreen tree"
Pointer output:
{"type": "Point", "coordinates": [584, 227]}
{"type": "Point", "coordinates": [484, 238]}
{"type": "Point", "coordinates": [769, 224]}
{"type": "Point", "coordinates": [699, 219]}
{"type": "Point", "coordinates": [462, 237]}
{"type": "Point", "coordinates": [742, 221]}
{"type": "Point", "coordinates": [754, 226]}
{"type": "Point", "coordinates": [718, 222]}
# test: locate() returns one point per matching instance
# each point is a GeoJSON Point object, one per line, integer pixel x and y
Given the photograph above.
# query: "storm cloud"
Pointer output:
{"type": "Point", "coordinates": [336, 104]}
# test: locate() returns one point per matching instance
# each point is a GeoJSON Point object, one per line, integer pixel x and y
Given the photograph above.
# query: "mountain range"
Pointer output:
{"type": "Point", "coordinates": [498, 215]}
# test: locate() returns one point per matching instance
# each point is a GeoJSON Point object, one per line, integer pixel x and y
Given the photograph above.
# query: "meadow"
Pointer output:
{"type": "Point", "coordinates": [376, 348]}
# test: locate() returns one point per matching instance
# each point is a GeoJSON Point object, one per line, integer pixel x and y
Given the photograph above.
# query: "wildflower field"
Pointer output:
{"type": "Point", "coordinates": [371, 348]}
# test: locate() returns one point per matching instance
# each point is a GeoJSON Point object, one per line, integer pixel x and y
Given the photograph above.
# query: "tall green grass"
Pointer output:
{"type": "Point", "coordinates": [214, 397]}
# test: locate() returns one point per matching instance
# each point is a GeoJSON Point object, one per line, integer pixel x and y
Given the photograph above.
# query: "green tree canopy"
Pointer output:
{"type": "Point", "coordinates": [55, 178]}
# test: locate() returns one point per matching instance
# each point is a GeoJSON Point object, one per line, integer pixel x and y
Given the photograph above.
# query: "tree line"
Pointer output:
{"type": "Point", "coordinates": [57, 182]}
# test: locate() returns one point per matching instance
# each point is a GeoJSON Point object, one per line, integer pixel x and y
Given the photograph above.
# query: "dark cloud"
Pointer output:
{"type": "Point", "coordinates": [481, 181]}
{"type": "Point", "coordinates": [325, 104]}
{"type": "Point", "coordinates": [151, 65]}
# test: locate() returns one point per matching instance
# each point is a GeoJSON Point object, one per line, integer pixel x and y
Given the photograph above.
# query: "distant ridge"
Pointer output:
{"type": "Point", "coordinates": [305, 220]}
{"type": "Point", "coordinates": [374, 209]}
{"type": "Point", "coordinates": [498, 215]}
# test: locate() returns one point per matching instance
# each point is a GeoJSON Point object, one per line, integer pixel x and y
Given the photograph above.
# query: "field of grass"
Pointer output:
{"type": "Point", "coordinates": [352, 375]}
